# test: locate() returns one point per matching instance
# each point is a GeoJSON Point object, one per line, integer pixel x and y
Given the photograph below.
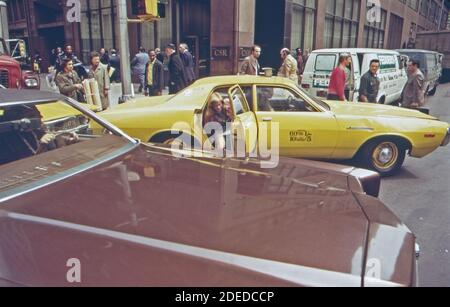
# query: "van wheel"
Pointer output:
{"type": "Point", "coordinates": [383, 156]}
{"type": "Point", "coordinates": [433, 91]}
{"type": "Point", "coordinates": [382, 100]}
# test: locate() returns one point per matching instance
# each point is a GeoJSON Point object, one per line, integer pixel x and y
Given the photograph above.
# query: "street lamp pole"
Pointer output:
{"type": "Point", "coordinates": [124, 49]}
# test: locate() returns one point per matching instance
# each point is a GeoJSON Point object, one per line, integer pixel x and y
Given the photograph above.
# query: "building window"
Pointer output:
{"type": "Point", "coordinates": [374, 32]}
{"type": "Point", "coordinates": [414, 4]}
{"type": "Point", "coordinates": [97, 26]}
{"type": "Point", "coordinates": [424, 8]}
{"type": "Point", "coordinates": [341, 23]}
{"type": "Point", "coordinates": [303, 24]}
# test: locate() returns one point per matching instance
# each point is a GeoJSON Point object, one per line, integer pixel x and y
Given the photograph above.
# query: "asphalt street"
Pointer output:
{"type": "Point", "coordinates": [420, 196]}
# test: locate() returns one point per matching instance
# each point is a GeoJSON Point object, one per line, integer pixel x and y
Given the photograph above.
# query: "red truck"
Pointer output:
{"type": "Point", "coordinates": [11, 73]}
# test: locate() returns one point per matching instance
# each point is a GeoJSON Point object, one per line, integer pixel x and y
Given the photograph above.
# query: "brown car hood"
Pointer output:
{"type": "Point", "coordinates": [147, 218]}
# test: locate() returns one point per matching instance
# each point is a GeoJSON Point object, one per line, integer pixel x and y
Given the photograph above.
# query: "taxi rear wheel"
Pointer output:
{"type": "Point", "coordinates": [384, 156]}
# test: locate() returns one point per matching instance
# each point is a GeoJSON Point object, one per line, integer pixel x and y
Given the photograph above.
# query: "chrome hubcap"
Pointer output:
{"type": "Point", "coordinates": [386, 155]}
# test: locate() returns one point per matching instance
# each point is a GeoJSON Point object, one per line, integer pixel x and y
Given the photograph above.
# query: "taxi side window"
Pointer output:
{"type": "Point", "coordinates": [248, 92]}
{"type": "Point", "coordinates": [239, 103]}
{"type": "Point", "coordinates": [278, 99]}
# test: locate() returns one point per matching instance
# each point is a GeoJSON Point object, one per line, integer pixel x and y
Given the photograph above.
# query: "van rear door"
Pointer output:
{"type": "Point", "coordinates": [323, 67]}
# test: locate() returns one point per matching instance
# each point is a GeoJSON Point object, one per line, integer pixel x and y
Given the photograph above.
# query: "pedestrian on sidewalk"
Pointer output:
{"type": "Point", "coordinates": [177, 75]}
{"type": "Point", "coordinates": [69, 83]}
{"type": "Point", "coordinates": [289, 67]}
{"type": "Point", "coordinates": [299, 54]}
{"type": "Point", "coordinates": [104, 56]}
{"type": "Point", "coordinates": [154, 76]}
{"type": "Point", "coordinates": [370, 84]}
{"type": "Point", "coordinates": [336, 89]}
{"type": "Point", "coordinates": [114, 62]}
{"type": "Point", "coordinates": [77, 64]}
{"type": "Point", "coordinates": [250, 66]}
{"type": "Point", "coordinates": [99, 72]}
{"type": "Point", "coordinates": [414, 92]}
{"type": "Point", "coordinates": [138, 66]}
{"type": "Point", "coordinates": [159, 55]}
{"type": "Point", "coordinates": [188, 61]}
{"type": "Point", "coordinates": [349, 82]}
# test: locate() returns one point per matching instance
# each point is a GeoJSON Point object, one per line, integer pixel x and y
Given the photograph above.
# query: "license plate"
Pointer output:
{"type": "Point", "coordinates": [321, 83]}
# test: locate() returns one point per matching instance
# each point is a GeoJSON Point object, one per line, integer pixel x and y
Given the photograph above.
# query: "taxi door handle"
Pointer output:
{"type": "Point", "coordinates": [267, 119]}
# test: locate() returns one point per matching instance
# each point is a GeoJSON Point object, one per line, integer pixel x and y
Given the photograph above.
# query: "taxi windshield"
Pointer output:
{"type": "Point", "coordinates": [322, 103]}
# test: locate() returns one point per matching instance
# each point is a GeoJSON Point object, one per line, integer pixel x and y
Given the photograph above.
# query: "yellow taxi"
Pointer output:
{"type": "Point", "coordinates": [377, 135]}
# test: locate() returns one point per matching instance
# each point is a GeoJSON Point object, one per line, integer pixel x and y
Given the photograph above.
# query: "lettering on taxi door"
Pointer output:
{"type": "Point", "coordinates": [300, 136]}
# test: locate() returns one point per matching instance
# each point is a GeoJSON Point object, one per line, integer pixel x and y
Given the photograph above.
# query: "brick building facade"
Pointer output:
{"type": "Point", "coordinates": [220, 32]}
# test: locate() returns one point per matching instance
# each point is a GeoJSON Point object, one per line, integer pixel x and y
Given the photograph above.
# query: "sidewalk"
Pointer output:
{"type": "Point", "coordinates": [45, 87]}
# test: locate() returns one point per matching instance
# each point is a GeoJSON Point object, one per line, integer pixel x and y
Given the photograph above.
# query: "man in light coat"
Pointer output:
{"type": "Point", "coordinates": [138, 65]}
{"type": "Point", "coordinates": [99, 72]}
{"type": "Point", "coordinates": [250, 66]}
{"type": "Point", "coordinates": [289, 67]}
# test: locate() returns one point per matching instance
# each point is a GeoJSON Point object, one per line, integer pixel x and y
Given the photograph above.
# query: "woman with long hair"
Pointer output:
{"type": "Point", "coordinates": [217, 114]}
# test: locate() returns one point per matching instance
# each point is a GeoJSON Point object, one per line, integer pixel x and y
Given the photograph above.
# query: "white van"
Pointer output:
{"type": "Point", "coordinates": [430, 63]}
{"type": "Point", "coordinates": [392, 74]}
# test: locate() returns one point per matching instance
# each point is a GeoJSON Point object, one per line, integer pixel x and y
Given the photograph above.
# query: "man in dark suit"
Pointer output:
{"type": "Point", "coordinates": [114, 62]}
{"type": "Point", "coordinates": [188, 61]}
{"type": "Point", "coordinates": [176, 70]}
{"type": "Point", "coordinates": [154, 76]}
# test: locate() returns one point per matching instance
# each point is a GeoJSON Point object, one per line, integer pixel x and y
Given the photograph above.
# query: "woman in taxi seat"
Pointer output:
{"type": "Point", "coordinates": [218, 113]}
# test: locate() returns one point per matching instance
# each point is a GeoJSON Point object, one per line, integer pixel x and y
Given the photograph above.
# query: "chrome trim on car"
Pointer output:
{"type": "Point", "coordinates": [294, 273]}
{"type": "Point", "coordinates": [361, 128]}
{"type": "Point", "coordinates": [446, 140]}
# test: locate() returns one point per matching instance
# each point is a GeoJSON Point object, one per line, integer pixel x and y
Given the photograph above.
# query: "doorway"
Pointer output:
{"type": "Point", "coordinates": [195, 28]}
{"type": "Point", "coordinates": [50, 38]}
{"type": "Point", "coordinates": [269, 31]}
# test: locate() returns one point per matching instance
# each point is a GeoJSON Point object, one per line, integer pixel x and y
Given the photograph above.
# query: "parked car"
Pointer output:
{"type": "Point", "coordinates": [392, 73]}
{"type": "Point", "coordinates": [379, 136]}
{"type": "Point", "coordinates": [132, 214]}
{"type": "Point", "coordinates": [430, 63]}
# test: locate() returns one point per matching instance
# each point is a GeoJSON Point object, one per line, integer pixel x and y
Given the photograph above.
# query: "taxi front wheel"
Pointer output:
{"type": "Point", "coordinates": [383, 156]}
